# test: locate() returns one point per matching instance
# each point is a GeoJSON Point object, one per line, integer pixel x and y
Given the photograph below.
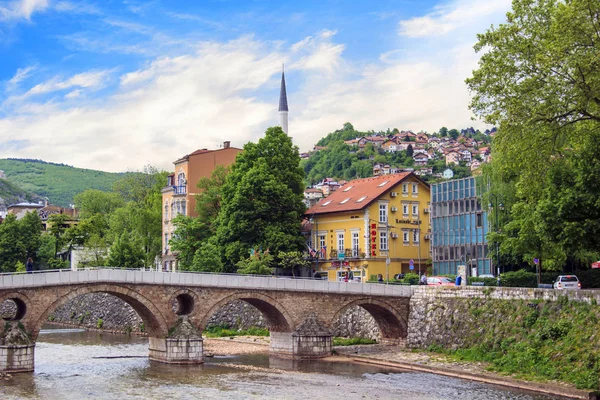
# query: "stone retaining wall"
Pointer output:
{"type": "Point", "coordinates": [445, 316]}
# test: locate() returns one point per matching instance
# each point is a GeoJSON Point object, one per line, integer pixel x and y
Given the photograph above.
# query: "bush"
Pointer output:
{"type": "Point", "coordinates": [411, 278]}
{"type": "Point", "coordinates": [339, 341]}
{"type": "Point", "coordinates": [99, 323]}
{"type": "Point", "coordinates": [519, 278]}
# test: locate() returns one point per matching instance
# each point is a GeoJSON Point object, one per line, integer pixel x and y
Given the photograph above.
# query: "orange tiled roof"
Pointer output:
{"type": "Point", "coordinates": [348, 197]}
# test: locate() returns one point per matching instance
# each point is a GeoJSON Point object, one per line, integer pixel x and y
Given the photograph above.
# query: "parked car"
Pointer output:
{"type": "Point", "coordinates": [567, 282]}
{"type": "Point", "coordinates": [439, 281]}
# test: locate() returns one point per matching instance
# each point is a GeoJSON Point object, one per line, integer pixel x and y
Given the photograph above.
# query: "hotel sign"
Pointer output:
{"type": "Point", "coordinates": [408, 221]}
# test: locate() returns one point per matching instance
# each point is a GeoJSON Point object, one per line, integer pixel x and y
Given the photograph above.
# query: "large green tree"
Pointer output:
{"type": "Point", "coordinates": [12, 247]}
{"type": "Point", "coordinates": [262, 199]}
{"type": "Point", "coordinates": [538, 80]}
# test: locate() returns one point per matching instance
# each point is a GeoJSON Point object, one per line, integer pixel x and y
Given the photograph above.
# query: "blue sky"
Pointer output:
{"type": "Point", "coordinates": [115, 85]}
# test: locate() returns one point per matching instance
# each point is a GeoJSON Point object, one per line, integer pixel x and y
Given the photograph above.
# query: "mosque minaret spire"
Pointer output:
{"type": "Point", "coordinates": [283, 105]}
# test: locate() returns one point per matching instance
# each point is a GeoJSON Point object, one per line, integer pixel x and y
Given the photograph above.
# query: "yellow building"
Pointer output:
{"type": "Point", "coordinates": [373, 226]}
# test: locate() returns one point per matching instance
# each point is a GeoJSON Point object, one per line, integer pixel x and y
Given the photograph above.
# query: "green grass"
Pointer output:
{"type": "Point", "coordinates": [217, 331]}
{"type": "Point", "coordinates": [339, 341]}
{"type": "Point", "coordinates": [59, 182]}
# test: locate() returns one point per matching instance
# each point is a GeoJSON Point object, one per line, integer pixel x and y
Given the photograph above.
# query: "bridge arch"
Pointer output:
{"type": "Point", "coordinates": [392, 324]}
{"type": "Point", "coordinates": [278, 318]}
{"type": "Point", "coordinates": [154, 321]}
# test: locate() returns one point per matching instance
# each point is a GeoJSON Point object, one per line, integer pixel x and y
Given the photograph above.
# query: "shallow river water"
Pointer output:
{"type": "Point", "coordinates": [72, 364]}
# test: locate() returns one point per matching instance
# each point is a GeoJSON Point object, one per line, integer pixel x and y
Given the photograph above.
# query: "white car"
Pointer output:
{"type": "Point", "coordinates": [567, 282]}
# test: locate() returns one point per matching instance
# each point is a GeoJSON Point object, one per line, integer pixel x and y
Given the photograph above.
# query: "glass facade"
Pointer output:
{"type": "Point", "coordinates": [459, 227]}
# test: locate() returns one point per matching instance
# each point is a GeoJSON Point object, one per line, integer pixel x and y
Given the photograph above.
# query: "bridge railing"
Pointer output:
{"type": "Point", "coordinates": [194, 279]}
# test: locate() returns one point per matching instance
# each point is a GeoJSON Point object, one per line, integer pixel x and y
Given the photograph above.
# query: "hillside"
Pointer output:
{"type": "Point", "coordinates": [334, 155]}
{"type": "Point", "coordinates": [11, 193]}
{"type": "Point", "coordinates": [59, 182]}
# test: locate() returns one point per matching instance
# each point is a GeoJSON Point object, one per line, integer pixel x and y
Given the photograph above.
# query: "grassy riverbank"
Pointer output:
{"type": "Point", "coordinates": [219, 331]}
{"type": "Point", "coordinates": [534, 340]}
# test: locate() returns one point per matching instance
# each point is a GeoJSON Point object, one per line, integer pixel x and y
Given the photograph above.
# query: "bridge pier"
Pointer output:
{"type": "Point", "coordinates": [311, 340]}
{"type": "Point", "coordinates": [183, 346]}
{"type": "Point", "coordinates": [176, 351]}
{"type": "Point", "coordinates": [16, 348]}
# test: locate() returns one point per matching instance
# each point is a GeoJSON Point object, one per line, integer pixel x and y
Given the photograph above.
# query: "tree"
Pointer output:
{"type": "Point", "coordinates": [96, 202]}
{"type": "Point", "coordinates": [443, 131]}
{"type": "Point", "coordinates": [12, 248]}
{"type": "Point", "coordinates": [262, 199]}
{"type": "Point", "coordinates": [409, 151]}
{"type": "Point", "coordinates": [259, 263]}
{"type": "Point", "coordinates": [31, 232]}
{"type": "Point", "coordinates": [57, 226]}
{"type": "Point", "coordinates": [125, 253]}
{"type": "Point", "coordinates": [294, 261]}
{"type": "Point", "coordinates": [537, 78]}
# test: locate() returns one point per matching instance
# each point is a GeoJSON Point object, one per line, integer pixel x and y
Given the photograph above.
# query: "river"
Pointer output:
{"type": "Point", "coordinates": [73, 364]}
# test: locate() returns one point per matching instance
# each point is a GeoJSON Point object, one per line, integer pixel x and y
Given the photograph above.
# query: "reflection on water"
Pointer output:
{"type": "Point", "coordinates": [67, 367]}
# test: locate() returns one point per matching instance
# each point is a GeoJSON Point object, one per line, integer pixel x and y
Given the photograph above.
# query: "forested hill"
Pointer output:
{"type": "Point", "coordinates": [337, 160]}
{"type": "Point", "coordinates": [58, 182]}
{"type": "Point", "coordinates": [11, 193]}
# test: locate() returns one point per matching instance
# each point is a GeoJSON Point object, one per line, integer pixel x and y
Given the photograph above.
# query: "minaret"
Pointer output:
{"type": "Point", "coordinates": [283, 106]}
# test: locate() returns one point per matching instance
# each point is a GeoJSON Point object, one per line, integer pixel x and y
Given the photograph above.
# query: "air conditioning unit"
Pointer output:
{"type": "Point", "coordinates": [426, 210]}
{"type": "Point", "coordinates": [394, 194]}
{"type": "Point", "coordinates": [394, 235]}
{"type": "Point", "coordinates": [427, 237]}
{"type": "Point", "coordinates": [394, 209]}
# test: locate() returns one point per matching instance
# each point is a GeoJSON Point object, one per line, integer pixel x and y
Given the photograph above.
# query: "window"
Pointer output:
{"type": "Point", "coordinates": [383, 241]}
{"type": "Point", "coordinates": [416, 236]}
{"type": "Point", "coordinates": [415, 188]}
{"type": "Point", "coordinates": [181, 179]}
{"type": "Point", "coordinates": [405, 188]}
{"type": "Point", "coordinates": [340, 242]}
{"type": "Point", "coordinates": [405, 209]}
{"type": "Point", "coordinates": [361, 199]}
{"type": "Point", "coordinates": [184, 207]}
{"type": "Point", "coordinates": [344, 201]}
{"type": "Point", "coordinates": [383, 184]}
{"type": "Point", "coordinates": [405, 236]}
{"type": "Point", "coordinates": [479, 220]}
{"type": "Point", "coordinates": [383, 214]}
{"type": "Point", "coordinates": [415, 209]}
{"type": "Point", "coordinates": [355, 241]}
{"type": "Point", "coordinates": [322, 247]}
{"type": "Point", "coordinates": [166, 212]}
{"type": "Point", "coordinates": [166, 242]}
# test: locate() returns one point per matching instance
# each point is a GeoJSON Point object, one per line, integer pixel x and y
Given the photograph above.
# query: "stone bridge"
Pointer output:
{"type": "Point", "coordinates": [176, 307]}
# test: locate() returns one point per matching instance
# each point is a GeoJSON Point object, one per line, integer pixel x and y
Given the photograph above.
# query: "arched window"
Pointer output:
{"type": "Point", "coordinates": [166, 211]}
{"type": "Point", "coordinates": [181, 179]}
{"type": "Point", "coordinates": [184, 207]}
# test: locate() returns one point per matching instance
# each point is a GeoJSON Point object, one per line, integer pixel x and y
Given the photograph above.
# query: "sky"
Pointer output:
{"type": "Point", "coordinates": [116, 85]}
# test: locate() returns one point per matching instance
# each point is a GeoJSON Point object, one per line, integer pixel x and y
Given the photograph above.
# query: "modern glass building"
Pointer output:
{"type": "Point", "coordinates": [459, 227]}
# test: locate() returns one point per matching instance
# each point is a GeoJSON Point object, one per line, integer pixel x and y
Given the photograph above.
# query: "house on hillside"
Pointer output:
{"type": "Point", "coordinates": [453, 157]}
{"type": "Point", "coordinates": [372, 226]}
{"type": "Point", "coordinates": [20, 209]}
{"type": "Point", "coordinates": [312, 196]}
{"type": "Point", "coordinates": [327, 186]}
{"type": "Point", "coordinates": [421, 159]}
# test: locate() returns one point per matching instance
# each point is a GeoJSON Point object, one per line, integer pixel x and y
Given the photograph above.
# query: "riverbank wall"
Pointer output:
{"type": "Point", "coordinates": [538, 333]}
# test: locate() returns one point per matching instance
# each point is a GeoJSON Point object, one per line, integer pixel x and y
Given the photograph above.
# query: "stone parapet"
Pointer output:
{"type": "Point", "coordinates": [503, 293]}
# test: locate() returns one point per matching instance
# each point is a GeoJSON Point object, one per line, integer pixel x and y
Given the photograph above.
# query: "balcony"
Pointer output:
{"type": "Point", "coordinates": [348, 254]}
{"type": "Point", "coordinates": [179, 190]}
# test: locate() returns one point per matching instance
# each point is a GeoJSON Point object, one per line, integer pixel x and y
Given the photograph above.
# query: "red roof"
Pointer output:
{"type": "Point", "coordinates": [359, 193]}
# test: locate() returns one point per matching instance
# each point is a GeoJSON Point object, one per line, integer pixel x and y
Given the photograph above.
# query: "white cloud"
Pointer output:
{"type": "Point", "coordinates": [216, 92]}
{"type": "Point", "coordinates": [448, 18]}
{"type": "Point", "coordinates": [93, 79]}
{"type": "Point", "coordinates": [21, 74]}
{"type": "Point", "coordinates": [21, 9]}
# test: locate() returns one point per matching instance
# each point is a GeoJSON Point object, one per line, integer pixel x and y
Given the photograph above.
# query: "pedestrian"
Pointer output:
{"type": "Point", "coordinates": [423, 280]}
{"type": "Point", "coordinates": [380, 278]}
{"type": "Point", "coordinates": [29, 265]}
{"type": "Point", "coordinates": [350, 275]}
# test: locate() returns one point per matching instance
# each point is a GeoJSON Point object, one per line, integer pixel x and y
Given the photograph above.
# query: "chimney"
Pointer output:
{"type": "Point", "coordinates": [226, 144]}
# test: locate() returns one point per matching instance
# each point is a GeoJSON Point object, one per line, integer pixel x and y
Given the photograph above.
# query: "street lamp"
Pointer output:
{"type": "Point", "coordinates": [495, 205]}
